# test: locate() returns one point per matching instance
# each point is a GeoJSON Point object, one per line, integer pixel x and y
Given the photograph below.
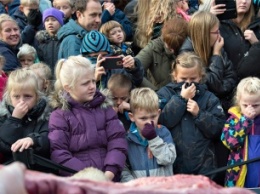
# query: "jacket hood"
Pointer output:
{"type": "Point", "coordinates": [71, 28]}
{"type": "Point", "coordinates": [40, 112]}
{"type": "Point", "coordinates": [43, 36]}
{"type": "Point", "coordinates": [64, 101]}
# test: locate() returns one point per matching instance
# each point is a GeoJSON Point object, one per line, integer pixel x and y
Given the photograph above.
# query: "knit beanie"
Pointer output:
{"type": "Point", "coordinates": [59, 15]}
{"type": "Point", "coordinates": [93, 42]}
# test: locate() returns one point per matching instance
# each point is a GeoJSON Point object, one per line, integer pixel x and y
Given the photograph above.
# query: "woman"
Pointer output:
{"type": "Point", "coordinates": [159, 54]}
{"type": "Point", "coordinates": [241, 37]}
{"type": "Point", "coordinates": [9, 41]}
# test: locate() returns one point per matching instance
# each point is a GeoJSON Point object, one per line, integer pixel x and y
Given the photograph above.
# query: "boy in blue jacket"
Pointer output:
{"type": "Point", "coordinates": [152, 144]}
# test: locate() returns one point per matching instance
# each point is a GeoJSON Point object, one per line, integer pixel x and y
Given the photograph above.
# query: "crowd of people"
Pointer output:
{"type": "Point", "coordinates": [184, 97]}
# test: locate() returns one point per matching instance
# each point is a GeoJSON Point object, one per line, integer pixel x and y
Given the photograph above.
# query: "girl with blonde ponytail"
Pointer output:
{"type": "Point", "coordinates": [84, 128]}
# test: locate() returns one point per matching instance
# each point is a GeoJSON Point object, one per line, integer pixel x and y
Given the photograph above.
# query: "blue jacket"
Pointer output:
{"type": "Point", "coordinates": [121, 18]}
{"type": "Point", "coordinates": [70, 35]}
{"type": "Point", "coordinates": [159, 164]}
{"type": "Point", "coordinates": [193, 136]}
{"type": "Point", "coordinates": [10, 54]}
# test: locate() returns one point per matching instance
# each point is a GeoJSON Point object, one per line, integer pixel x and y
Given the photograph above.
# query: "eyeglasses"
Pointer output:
{"type": "Point", "coordinates": [217, 32]}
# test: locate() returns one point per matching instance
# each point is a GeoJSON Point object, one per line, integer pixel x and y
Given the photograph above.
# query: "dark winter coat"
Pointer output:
{"type": "Point", "coordinates": [34, 125]}
{"type": "Point", "coordinates": [243, 55]}
{"type": "Point", "coordinates": [193, 136]}
{"type": "Point", "coordinates": [221, 77]}
{"type": "Point", "coordinates": [70, 35]}
{"type": "Point", "coordinates": [47, 48]}
{"type": "Point", "coordinates": [87, 135]}
{"type": "Point", "coordinates": [10, 54]}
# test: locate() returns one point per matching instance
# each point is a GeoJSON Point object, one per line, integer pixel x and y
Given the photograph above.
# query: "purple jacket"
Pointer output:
{"type": "Point", "coordinates": [88, 135]}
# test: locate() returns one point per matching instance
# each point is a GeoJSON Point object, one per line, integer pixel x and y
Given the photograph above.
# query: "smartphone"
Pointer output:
{"type": "Point", "coordinates": [231, 9]}
{"type": "Point", "coordinates": [114, 62]}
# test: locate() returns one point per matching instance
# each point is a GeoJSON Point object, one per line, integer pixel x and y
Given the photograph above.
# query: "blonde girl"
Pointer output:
{"type": "Point", "coordinates": [198, 116]}
{"type": "Point", "coordinates": [84, 128]}
{"type": "Point", "coordinates": [23, 116]}
{"type": "Point", "coordinates": [205, 40]}
{"type": "Point", "coordinates": [241, 135]}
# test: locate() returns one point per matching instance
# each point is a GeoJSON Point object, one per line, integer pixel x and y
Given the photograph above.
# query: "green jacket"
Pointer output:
{"type": "Point", "coordinates": [157, 64]}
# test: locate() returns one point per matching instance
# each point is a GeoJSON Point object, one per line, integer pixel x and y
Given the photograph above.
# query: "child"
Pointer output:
{"type": "Point", "coordinates": [95, 46]}
{"type": "Point", "coordinates": [241, 135]}
{"type": "Point", "coordinates": [151, 151]}
{"type": "Point", "coordinates": [29, 19]}
{"type": "Point", "coordinates": [111, 12]}
{"type": "Point", "coordinates": [47, 41]}
{"type": "Point", "coordinates": [66, 6]}
{"type": "Point", "coordinates": [84, 128]}
{"type": "Point", "coordinates": [116, 36]}
{"type": "Point", "coordinates": [27, 55]}
{"type": "Point", "coordinates": [44, 74]}
{"type": "Point", "coordinates": [120, 87]}
{"type": "Point", "coordinates": [193, 114]}
{"type": "Point", "coordinates": [23, 116]}
{"type": "Point", "coordinates": [3, 76]}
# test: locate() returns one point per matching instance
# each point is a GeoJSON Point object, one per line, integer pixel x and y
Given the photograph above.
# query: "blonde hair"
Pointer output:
{"type": "Point", "coordinates": [249, 85]}
{"type": "Point", "coordinates": [43, 71]}
{"type": "Point", "coordinates": [189, 60]}
{"type": "Point", "coordinates": [26, 49]}
{"type": "Point", "coordinates": [29, 2]}
{"type": "Point", "coordinates": [144, 99]}
{"type": "Point", "coordinates": [119, 81]}
{"type": "Point", "coordinates": [71, 2]}
{"type": "Point", "coordinates": [67, 72]}
{"type": "Point", "coordinates": [199, 29]}
{"type": "Point", "coordinates": [4, 18]}
{"type": "Point", "coordinates": [108, 26]}
{"type": "Point", "coordinates": [149, 13]}
{"type": "Point", "coordinates": [20, 79]}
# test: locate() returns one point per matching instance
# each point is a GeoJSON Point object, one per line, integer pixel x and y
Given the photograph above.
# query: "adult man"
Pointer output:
{"type": "Point", "coordinates": [88, 13]}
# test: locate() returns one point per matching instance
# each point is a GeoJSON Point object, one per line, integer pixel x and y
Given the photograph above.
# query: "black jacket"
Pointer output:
{"type": "Point", "coordinates": [34, 125]}
{"type": "Point", "coordinates": [193, 136]}
{"type": "Point", "coordinates": [47, 48]}
{"type": "Point", "coordinates": [243, 55]}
